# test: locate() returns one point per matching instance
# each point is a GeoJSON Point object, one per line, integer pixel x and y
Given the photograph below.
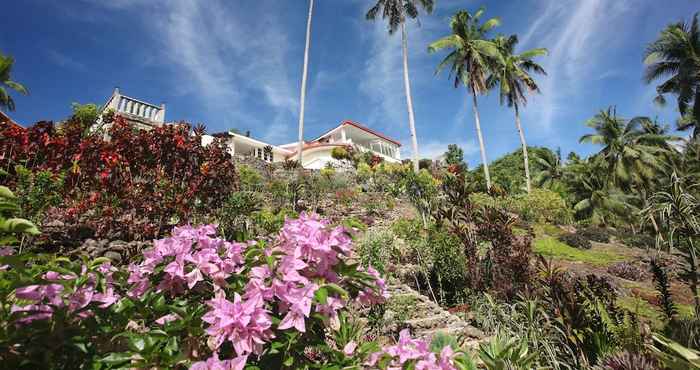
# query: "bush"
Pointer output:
{"type": "Point", "coordinates": [37, 192]}
{"type": "Point", "coordinates": [193, 298]}
{"type": "Point", "coordinates": [448, 273]}
{"type": "Point", "coordinates": [250, 179]}
{"type": "Point", "coordinates": [643, 241]}
{"type": "Point", "coordinates": [134, 185]}
{"type": "Point", "coordinates": [541, 205]}
{"type": "Point", "coordinates": [596, 234]}
{"type": "Point", "coordinates": [234, 217]}
{"type": "Point", "coordinates": [327, 172]}
{"type": "Point", "coordinates": [339, 153]}
{"type": "Point", "coordinates": [575, 240]}
{"type": "Point", "coordinates": [627, 271]}
{"type": "Point", "coordinates": [376, 249]}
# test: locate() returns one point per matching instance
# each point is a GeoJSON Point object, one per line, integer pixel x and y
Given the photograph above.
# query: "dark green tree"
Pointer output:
{"type": "Point", "coordinates": [454, 154]}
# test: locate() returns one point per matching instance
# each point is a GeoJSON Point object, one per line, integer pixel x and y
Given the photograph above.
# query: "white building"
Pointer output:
{"type": "Point", "coordinates": [137, 112]}
{"type": "Point", "coordinates": [316, 154]}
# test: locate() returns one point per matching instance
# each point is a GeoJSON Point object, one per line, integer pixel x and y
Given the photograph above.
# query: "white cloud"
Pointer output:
{"type": "Point", "coordinates": [579, 34]}
{"type": "Point", "coordinates": [435, 148]}
{"type": "Point", "coordinates": [225, 59]}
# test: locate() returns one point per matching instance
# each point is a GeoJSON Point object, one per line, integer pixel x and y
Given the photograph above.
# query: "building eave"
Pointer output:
{"type": "Point", "coordinates": [360, 127]}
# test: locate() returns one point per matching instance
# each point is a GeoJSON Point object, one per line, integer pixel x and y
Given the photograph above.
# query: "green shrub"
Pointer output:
{"type": "Point", "coordinates": [267, 222]}
{"type": "Point", "coordinates": [352, 223]}
{"type": "Point", "coordinates": [234, 216]}
{"type": "Point", "coordinates": [576, 241]}
{"type": "Point", "coordinates": [448, 273]}
{"type": "Point", "coordinates": [596, 234]}
{"type": "Point", "coordinates": [327, 172]}
{"type": "Point", "coordinates": [364, 172]}
{"type": "Point", "coordinates": [37, 191]}
{"type": "Point", "coordinates": [541, 205]}
{"type": "Point", "coordinates": [251, 179]}
{"type": "Point", "coordinates": [376, 249]}
{"type": "Point", "coordinates": [637, 240]}
{"type": "Point", "coordinates": [339, 153]}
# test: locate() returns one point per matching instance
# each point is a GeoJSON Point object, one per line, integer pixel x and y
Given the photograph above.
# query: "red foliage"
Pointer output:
{"type": "Point", "coordinates": [131, 185]}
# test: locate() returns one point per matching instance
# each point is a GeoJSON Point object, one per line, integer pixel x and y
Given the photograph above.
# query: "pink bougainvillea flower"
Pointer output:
{"type": "Point", "coordinates": [246, 324]}
{"type": "Point", "coordinates": [349, 348]}
{"type": "Point", "coordinates": [167, 318]}
{"type": "Point", "coordinates": [213, 363]}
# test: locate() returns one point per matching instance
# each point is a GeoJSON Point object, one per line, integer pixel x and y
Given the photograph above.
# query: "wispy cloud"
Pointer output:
{"type": "Point", "coordinates": [435, 148]}
{"type": "Point", "coordinates": [229, 62]}
{"type": "Point", "coordinates": [233, 60]}
{"type": "Point", "coordinates": [579, 35]}
{"type": "Point", "coordinates": [64, 61]}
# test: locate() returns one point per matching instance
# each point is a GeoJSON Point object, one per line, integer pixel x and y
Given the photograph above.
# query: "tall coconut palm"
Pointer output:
{"type": "Point", "coordinates": [396, 12]}
{"type": "Point", "coordinates": [6, 101]}
{"type": "Point", "coordinates": [515, 81]}
{"type": "Point", "coordinates": [472, 57]}
{"type": "Point", "coordinates": [302, 97]}
{"type": "Point", "coordinates": [675, 55]}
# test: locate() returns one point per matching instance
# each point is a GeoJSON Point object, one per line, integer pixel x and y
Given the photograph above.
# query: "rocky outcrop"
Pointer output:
{"type": "Point", "coordinates": [118, 251]}
{"type": "Point", "coordinates": [424, 317]}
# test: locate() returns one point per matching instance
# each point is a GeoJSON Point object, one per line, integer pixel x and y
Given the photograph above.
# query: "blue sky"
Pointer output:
{"type": "Point", "coordinates": [238, 64]}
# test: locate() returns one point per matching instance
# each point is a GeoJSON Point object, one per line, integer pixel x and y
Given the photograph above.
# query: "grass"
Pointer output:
{"type": "Point", "coordinates": [643, 309]}
{"type": "Point", "coordinates": [551, 247]}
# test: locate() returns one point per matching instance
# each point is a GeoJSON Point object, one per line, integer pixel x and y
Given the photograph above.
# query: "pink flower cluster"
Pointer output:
{"type": "Point", "coordinates": [190, 255]}
{"type": "Point", "coordinates": [48, 297]}
{"type": "Point", "coordinates": [303, 256]}
{"type": "Point", "coordinates": [416, 352]}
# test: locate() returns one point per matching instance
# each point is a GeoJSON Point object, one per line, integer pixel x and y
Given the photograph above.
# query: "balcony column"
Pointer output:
{"type": "Point", "coordinates": [343, 138]}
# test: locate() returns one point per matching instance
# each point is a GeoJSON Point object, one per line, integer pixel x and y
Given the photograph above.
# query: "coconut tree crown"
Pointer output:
{"type": "Point", "coordinates": [675, 57]}
{"type": "Point", "coordinates": [6, 101]}
{"type": "Point", "coordinates": [514, 74]}
{"type": "Point", "coordinates": [396, 11]}
{"type": "Point", "coordinates": [472, 54]}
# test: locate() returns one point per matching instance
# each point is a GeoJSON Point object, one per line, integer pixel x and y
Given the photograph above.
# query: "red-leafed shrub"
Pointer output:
{"type": "Point", "coordinates": [134, 185]}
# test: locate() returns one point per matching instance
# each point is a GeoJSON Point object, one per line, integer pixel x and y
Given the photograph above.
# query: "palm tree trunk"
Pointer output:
{"type": "Point", "coordinates": [409, 100]}
{"type": "Point", "coordinates": [302, 98]}
{"type": "Point", "coordinates": [481, 141]}
{"type": "Point", "coordinates": [524, 145]}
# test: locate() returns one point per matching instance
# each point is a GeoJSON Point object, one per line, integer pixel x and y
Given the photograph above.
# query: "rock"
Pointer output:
{"type": "Point", "coordinates": [115, 257]}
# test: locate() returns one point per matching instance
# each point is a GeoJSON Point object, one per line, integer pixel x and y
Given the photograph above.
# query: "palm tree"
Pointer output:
{"type": "Point", "coordinates": [513, 77]}
{"type": "Point", "coordinates": [302, 97]}
{"type": "Point", "coordinates": [676, 54]}
{"type": "Point", "coordinates": [590, 189]}
{"type": "Point", "coordinates": [632, 150]}
{"type": "Point", "coordinates": [6, 101]}
{"type": "Point", "coordinates": [629, 149]}
{"type": "Point", "coordinates": [551, 169]}
{"type": "Point", "coordinates": [396, 11]}
{"type": "Point", "coordinates": [472, 57]}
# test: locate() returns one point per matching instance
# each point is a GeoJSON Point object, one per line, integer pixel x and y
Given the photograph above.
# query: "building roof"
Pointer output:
{"type": "Point", "coordinates": [361, 127]}
{"type": "Point", "coordinates": [5, 118]}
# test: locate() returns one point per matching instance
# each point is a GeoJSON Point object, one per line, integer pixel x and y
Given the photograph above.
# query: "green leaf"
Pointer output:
{"type": "Point", "coordinates": [5, 192]}
{"type": "Point", "coordinates": [321, 295]}
{"type": "Point", "coordinates": [20, 225]}
{"type": "Point", "coordinates": [116, 358]}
